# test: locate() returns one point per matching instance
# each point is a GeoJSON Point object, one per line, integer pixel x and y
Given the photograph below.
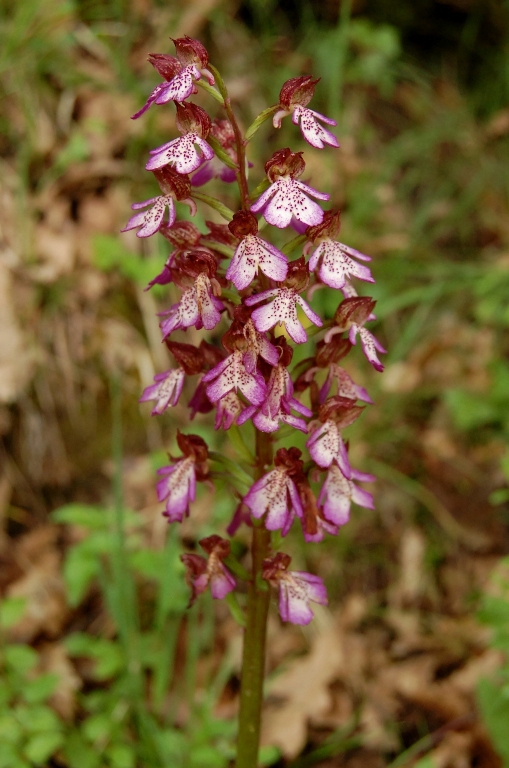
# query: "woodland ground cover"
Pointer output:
{"type": "Point", "coordinates": [102, 664]}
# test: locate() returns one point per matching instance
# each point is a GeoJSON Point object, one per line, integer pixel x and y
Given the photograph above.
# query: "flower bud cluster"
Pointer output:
{"type": "Point", "coordinates": [235, 282]}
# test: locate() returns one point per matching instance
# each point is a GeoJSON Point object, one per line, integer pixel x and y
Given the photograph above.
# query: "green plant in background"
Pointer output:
{"type": "Point", "coordinates": [431, 161]}
{"type": "Point", "coordinates": [493, 693]}
{"type": "Point", "coordinates": [30, 730]}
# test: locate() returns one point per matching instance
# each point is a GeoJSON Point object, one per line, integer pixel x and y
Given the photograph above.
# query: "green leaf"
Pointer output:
{"type": "Point", "coordinates": [11, 731]}
{"type": "Point", "coordinates": [234, 469]}
{"type": "Point", "coordinates": [221, 154]}
{"type": "Point", "coordinates": [38, 690]}
{"type": "Point", "coordinates": [41, 747]}
{"type": "Point", "coordinates": [76, 150]}
{"type": "Point", "coordinates": [79, 754]}
{"type": "Point", "coordinates": [259, 190]}
{"type": "Point", "coordinates": [20, 658]}
{"type": "Point", "coordinates": [82, 514]}
{"type": "Point", "coordinates": [109, 253]}
{"type": "Point", "coordinates": [148, 562]}
{"type": "Point", "coordinates": [235, 609]}
{"type": "Point", "coordinates": [80, 569]}
{"type": "Point", "coordinates": [211, 91]}
{"type": "Point", "coordinates": [469, 410]}
{"type": "Point", "coordinates": [495, 712]}
{"type": "Point", "coordinates": [9, 757]}
{"type": "Point", "coordinates": [293, 244]}
{"type": "Point", "coordinates": [425, 762]}
{"type": "Point", "coordinates": [258, 121]}
{"type": "Point", "coordinates": [269, 755]}
{"type": "Point", "coordinates": [217, 205]}
{"type": "Point", "coordinates": [108, 654]}
{"type": "Point", "coordinates": [97, 727]}
{"type": "Point", "coordinates": [121, 756]}
{"type": "Point", "coordinates": [11, 611]}
{"type": "Point", "coordinates": [236, 439]}
{"type": "Point", "coordinates": [219, 247]}
{"type": "Point", "coordinates": [219, 82]}
{"type": "Point", "coordinates": [38, 719]}
{"type": "Point", "coordinates": [207, 757]}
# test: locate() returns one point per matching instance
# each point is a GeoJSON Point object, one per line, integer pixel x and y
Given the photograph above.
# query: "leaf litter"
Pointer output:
{"type": "Point", "coordinates": [397, 660]}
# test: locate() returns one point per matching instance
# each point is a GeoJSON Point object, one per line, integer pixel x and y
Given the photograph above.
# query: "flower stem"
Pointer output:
{"type": "Point", "coordinates": [240, 143]}
{"type": "Point", "coordinates": [253, 658]}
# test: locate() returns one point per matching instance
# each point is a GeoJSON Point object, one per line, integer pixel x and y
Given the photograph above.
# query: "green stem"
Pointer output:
{"type": "Point", "coordinates": [240, 143]}
{"type": "Point", "coordinates": [253, 657]}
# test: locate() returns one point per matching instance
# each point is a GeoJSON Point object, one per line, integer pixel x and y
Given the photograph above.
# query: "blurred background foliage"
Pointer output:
{"type": "Point", "coordinates": [101, 663]}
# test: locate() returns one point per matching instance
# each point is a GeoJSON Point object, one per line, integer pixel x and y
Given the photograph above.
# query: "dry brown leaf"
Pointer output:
{"type": "Point", "coordinates": [453, 751]}
{"type": "Point", "coordinates": [42, 586]}
{"type": "Point", "coordinates": [54, 659]}
{"type": "Point", "coordinates": [303, 690]}
{"type": "Point", "coordinates": [56, 253]}
{"type": "Point", "coordinates": [16, 360]}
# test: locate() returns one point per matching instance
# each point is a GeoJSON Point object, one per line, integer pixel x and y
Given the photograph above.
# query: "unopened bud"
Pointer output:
{"type": "Point", "coordinates": [297, 91]}
{"type": "Point", "coordinates": [191, 51]}
{"type": "Point", "coordinates": [167, 66]}
{"type": "Point", "coordinates": [284, 162]}
{"type": "Point", "coordinates": [244, 223]}
{"type": "Point", "coordinates": [328, 229]}
{"type": "Point", "coordinates": [191, 118]}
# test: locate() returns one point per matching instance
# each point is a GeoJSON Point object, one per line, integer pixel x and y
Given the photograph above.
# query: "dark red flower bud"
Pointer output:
{"type": "Point", "coordinates": [192, 119]}
{"type": "Point", "coordinates": [200, 403]}
{"type": "Point", "coordinates": [193, 445]}
{"type": "Point", "coordinates": [285, 351]}
{"type": "Point", "coordinates": [298, 275]}
{"type": "Point", "coordinates": [290, 459]}
{"type": "Point", "coordinates": [244, 223]}
{"type": "Point", "coordinates": [183, 234]}
{"type": "Point", "coordinates": [195, 566]}
{"type": "Point", "coordinates": [337, 348]}
{"type": "Point", "coordinates": [309, 507]}
{"type": "Point", "coordinates": [211, 355]}
{"type": "Point", "coordinates": [273, 565]}
{"type": "Point", "coordinates": [222, 131]}
{"type": "Point", "coordinates": [219, 233]}
{"type": "Point", "coordinates": [341, 410]}
{"type": "Point", "coordinates": [284, 162]}
{"type": "Point", "coordinates": [297, 90]}
{"type": "Point", "coordinates": [329, 228]}
{"type": "Point", "coordinates": [189, 358]}
{"type": "Point", "coordinates": [215, 544]}
{"type": "Point", "coordinates": [190, 51]}
{"type": "Point", "coordinates": [167, 66]}
{"type": "Point", "coordinates": [357, 309]}
{"type": "Point", "coordinates": [172, 183]}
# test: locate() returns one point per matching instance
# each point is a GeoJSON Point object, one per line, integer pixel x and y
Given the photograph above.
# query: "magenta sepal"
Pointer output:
{"type": "Point", "coordinates": [370, 344]}
{"type": "Point", "coordinates": [166, 390]}
{"type": "Point", "coordinates": [314, 133]}
{"type": "Point", "coordinates": [296, 590]}
{"type": "Point", "coordinates": [178, 488]}
{"type": "Point", "coordinates": [346, 385]}
{"type": "Point", "coordinates": [337, 264]}
{"type": "Point", "coordinates": [283, 310]}
{"type": "Point", "coordinates": [338, 492]}
{"type": "Point", "coordinates": [231, 375]}
{"type": "Point", "coordinates": [326, 445]}
{"type": "Point", "coordinates": [278, 403]}
{"type": "Point", "coordinates": [150, 221]}
{"type": "Point", "coordinates": [185, 153]}
{"type": "Point", "coordinates": [286, 199]}
{"type": "Point", "coordinates": [213, 169]}
{"type": "Point", "coordinates": [198, 306]}
{"type": "Point", "coordinates": [251, 254]}
{"type": "Point", "coordinates": [275, 494]}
